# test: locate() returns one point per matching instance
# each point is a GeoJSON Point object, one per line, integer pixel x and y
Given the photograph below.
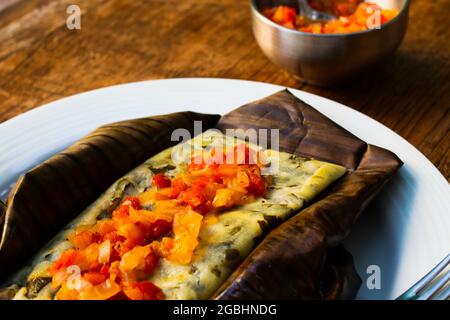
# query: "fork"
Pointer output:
{"type": "Point", "coordinates": [429, 287]}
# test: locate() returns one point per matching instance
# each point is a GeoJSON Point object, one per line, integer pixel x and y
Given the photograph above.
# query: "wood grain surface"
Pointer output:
{"type": "Point", "coordinates": [129, 40]}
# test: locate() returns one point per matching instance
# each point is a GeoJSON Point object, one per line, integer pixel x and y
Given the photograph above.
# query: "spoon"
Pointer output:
{"type": "Point", "coordinates": [310, 13]}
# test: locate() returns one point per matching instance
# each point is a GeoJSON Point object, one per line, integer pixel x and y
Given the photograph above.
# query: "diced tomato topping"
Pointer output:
{"type": "Point", "coordinates": [157, 229]}
{"type": "Point", "coordinates": [105, 269]}
{"type": "Point", "coordinates": [94, 278]}
{"type": "Point", "coordinates": [351, 16]}
{"type": "Point", "coordinates": [144, 290]}
{"type": "Point", "coordinates": [116, 255]}
{"type": "Point", "coordinates": [285, 16]}
{"type": "Point", "coordinates": [95, 267]}
{"type": "Point", "coordinates": [67, 258]}
{"type": "Point", "coordinates": [105, 227]}
{"type": "Point", "coordinates": [102, 291]}
{"type": "Point", "coordinates": [133, 235]}
{"type": "Point", "coordinates": [113, 237]}
{"type": "Point", "coordinates": [244, 155]}
{"type": "Point", "coordinates": [120, 213]}
{"type": "Point", "coordinates": [257, 185]}
{"type": "Point", "coordinates": [133, 202]}
{"type": "Point", "coordinates": [151, 260]}
{"type": "Point", "coordinates": [119, 296]}
{"type": "Point", "coordinates": [177, 187]}
{"type": "Point", "coordinates": [83, 238]}
{"type": "Point", "coordinates": [193, 197]}
{"type": "Point", "coordinates": [161, 181]}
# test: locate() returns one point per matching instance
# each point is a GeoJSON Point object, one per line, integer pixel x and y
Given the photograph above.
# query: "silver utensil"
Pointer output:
{"type": "Point", "coordinates": [305, 10]}
{"type": "Point", "coordinates": [327, 59]}
{"type": "Point", "coordinates": [432, 286]}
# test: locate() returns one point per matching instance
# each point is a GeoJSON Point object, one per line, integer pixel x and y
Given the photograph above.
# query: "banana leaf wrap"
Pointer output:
{"type": "Point", "coordinates": [298, 259]}
{"type": "Point", "coordinates": [290, 262]}
{"type": "Point", "coordinates": [53, 193]}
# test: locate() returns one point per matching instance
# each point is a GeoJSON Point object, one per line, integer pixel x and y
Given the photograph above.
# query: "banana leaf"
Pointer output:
{"type": "Point", "coordinates": [289, 262]}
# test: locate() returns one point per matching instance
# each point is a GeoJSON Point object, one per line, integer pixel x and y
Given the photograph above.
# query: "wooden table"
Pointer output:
{"type": "Point", "coordinates": [129, 40]}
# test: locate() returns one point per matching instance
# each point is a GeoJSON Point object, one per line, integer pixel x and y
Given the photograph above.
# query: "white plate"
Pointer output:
{"type": "Point", "coordinates": [405, 231]}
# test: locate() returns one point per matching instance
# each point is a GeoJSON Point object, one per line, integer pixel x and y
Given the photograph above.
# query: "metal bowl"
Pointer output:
{"type": "Point", "coordinates": [328, 59]}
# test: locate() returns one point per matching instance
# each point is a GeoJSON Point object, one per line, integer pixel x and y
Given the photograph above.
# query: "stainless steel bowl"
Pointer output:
{"type": "Point", "coordinates": [328, 59]}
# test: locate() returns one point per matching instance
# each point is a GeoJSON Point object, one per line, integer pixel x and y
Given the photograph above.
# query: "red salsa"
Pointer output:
{"type": "Point", "coordinates": [352, 16]}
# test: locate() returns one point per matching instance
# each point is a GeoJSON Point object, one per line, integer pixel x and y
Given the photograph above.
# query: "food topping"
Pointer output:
{"type": "Point", "coordinates": [353, 16]}
{"type": "Point", "coordinates": [115, 257]}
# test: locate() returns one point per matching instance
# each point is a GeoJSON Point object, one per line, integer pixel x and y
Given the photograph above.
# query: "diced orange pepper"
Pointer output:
{"type": "Point", "coordinates": [105, 226]}
{"type": "Point", "coordinates": [132, 233]}
{"type": "Point", "coordinates": [101, 291]}
{"type": "Point", "coordinates": [186, 227]}
{"type": "Point", "coordinates": [94, 278]}
{"type": "Point", "coordinates": [353, 16]}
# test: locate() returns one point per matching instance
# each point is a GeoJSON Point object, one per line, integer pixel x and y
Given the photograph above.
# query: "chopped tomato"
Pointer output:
{"type": "Point", "coordinates": [144, 290]}
{"type": "Point", "coordinates": [81, 239]}
{"type": "Point", "coordinates": [132, 233]}
{"type": "Point", "coordinates": [68, 258]}
{"type": "Point", "coordinates": [113, 237]}
{"type": "Point", "coordinates": [114, 272]}
{"type": "Point", "coordinates": [161, 181]}
{"type": "Point", "coordinates": [151, 260]}
{"type": "Point", "coordinates": [226, 198]}
{"type": "Point", "coordinates": [64, 293]}
{"type": "Point", "coordinates": [120, 215]}
{"type": "Point", "coordinates": [163, 194]}
{"type": "Point", "coordinates": [163, 210]}
{"type": "Point", "coordinates": [119, 296]}
{"type": "Point", "coordinates": [105, 269]}
{"type": "Point", "coordinates": [244, 155]}
{"type": "Point", "coordinates": [285, 16]}
{"type": "Point", "coordinates": [94, 278]}
{"type": "Point", "coordinates": [178, 186]}
{"type": "Point", "coordinates": [134, 202]}
{"type": "Point", "coordinates": [257, 185]}
{"type": "Point", "coordinates": [162, 247]}
{"type": "Point", "coordinates": [186, 227]}
{"type": "Point", "coordinates": [138, 262]}
{"type": "Point", "coordinates": [193, 197]}
{"type": "Point", "coordinates": [101, 291]}
{"type": "Point", "coordinates": [88, 257]}
{"type": "Point", "coordinates": [197, 163]}
{"type": "Point", "coordinates": [157, 229]}
{"type": "Point", "coordinates": [105, 227]}
{"type": "Point", "coordinates": [95, 267]}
